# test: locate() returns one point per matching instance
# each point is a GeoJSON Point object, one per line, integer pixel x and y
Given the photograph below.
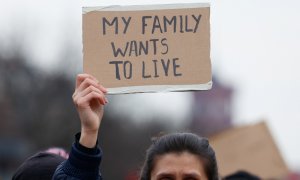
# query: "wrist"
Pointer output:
{"type": "Point", "coordinates": [88, 138]}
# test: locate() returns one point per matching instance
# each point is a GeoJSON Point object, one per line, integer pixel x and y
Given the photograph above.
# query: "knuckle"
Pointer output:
{"type": "Point", "coordinates": [90, 88]}
{"type": "Point", "coordinates": [74, 94]}
{"type": "Point", "coordinates": [75, 101]}
{"type": "Point", "coordinates": [78, 103]}
{"type": "Point", "coordinates": [79, 76]}
{"type": "Point", "coordinates": [88, 81]}
{"type": "Point", "coordinates": [96, 89]}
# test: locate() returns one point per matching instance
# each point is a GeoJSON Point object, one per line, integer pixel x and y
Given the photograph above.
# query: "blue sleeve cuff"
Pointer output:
{"type": "Point", "coordinates": [83, 162]}
{"type": "Point", "coordinates": [91, 151]}
{"type": "Point", "coordinates": [85, 158]}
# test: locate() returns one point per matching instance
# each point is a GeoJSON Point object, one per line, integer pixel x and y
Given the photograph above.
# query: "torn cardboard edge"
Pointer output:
{"type": "Point", "coordinates": [144, 7]}
{"type": "Point", "coordinates": [159, 88]}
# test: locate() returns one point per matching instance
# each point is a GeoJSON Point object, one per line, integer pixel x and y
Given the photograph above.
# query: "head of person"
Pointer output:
{"type": "Point", "coordinates": [180, 156]}
{"type": "Point", "coordinates": [41, 165]}
{"type": "Point", "coordinates": [242, 175]}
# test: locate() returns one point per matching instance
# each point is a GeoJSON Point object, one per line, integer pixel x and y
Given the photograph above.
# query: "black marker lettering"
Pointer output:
{"type": "Point", "coordinates": [165, 44]}
{"type": "Point", "coordinates": [165, 66]}
{"type": "Point", "coordinates": [119, 50]}
{"type": "Point", "coordinates": [133, 48]}
{"type": "Point", "coordinates": [156, 24]}
{"type": "Point", "coordinates": [154, 41]}
{"type": "Point", "coordinates": [186, 25]}
{"type": "Point", "coordinates": [127, 76]}
{"type": "Point", "coordinates": [144, 24]}
{"type": "Point", "coordinates": [197, 21]}
{"type": "Point", "coordinates": [170, 22]}
{"type": "Point", "coordinates": [126, 23]}
{"type": "Point", "coordinates": [145, 76]}
{"type": "Point", "coordinates": [181, 24]}
{"type": "Point", "coordinates": [155, 68]}
{"type": "Point", "coordinates": [105, 21]}
{"type": "Point", "coordinates": [117, 68]}
{"type": "Point", "coordinates": [175, 66]}
{"type": "Point", "coordinates": [143, 48]}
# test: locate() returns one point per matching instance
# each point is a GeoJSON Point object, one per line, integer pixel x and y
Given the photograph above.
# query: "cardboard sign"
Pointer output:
{"type": "Point", "coordinates": [250, 148]}
{"type": "Point", "coordinates": [157, 48]}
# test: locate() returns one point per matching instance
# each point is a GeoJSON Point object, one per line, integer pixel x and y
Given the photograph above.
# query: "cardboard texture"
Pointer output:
{"type": "Point", "coordinates": [133, 49]}
{"type": "Point", "coordinates": [249, 148]}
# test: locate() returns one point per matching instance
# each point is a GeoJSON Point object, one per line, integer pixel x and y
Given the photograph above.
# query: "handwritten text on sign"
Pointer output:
{"type": "Point", "coordinates": [138, 48]}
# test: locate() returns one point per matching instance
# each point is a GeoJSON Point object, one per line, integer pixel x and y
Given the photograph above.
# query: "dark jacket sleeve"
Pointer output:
{"type": "Point", "coordinates": [83, 163]}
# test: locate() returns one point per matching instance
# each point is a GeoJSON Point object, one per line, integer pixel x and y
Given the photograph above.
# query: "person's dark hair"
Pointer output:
{"type": "Point", "coordinates": [178, 143]}
{"type": "Point", "coordinates": [241, 175]}
{"type": "Point", "coordinates": [39, 166]}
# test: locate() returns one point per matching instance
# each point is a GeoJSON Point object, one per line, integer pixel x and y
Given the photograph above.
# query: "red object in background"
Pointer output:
{"type": "Point", "coordinates": [133, 175]}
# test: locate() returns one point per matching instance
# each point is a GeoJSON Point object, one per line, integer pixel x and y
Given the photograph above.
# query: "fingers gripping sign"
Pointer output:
{"type": "Point", "coordinates": [89, 98]}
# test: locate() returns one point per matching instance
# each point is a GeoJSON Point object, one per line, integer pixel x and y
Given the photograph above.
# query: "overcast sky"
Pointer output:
{"type": "Point", "coordinates": [254, 47]}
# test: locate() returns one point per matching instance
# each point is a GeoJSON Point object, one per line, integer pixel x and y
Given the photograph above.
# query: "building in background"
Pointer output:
{"type": "Point", "coordinates": [212, 110]}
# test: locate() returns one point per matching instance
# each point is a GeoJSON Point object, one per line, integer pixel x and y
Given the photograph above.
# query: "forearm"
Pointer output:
{"type": "Point", "coordinates": [85, 157]}
{"type": "Point", "coordinates": [88, 139]}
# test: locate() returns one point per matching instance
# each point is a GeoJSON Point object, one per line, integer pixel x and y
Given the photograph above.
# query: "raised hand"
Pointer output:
{"type": "Point", "coordinates": [89, 99]}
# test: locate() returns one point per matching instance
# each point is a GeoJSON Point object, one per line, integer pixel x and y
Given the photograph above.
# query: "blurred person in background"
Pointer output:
{"type": "Point", "coordinates": [41, 165]}
{"type": "Point", "coordinates": [241, 175]}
